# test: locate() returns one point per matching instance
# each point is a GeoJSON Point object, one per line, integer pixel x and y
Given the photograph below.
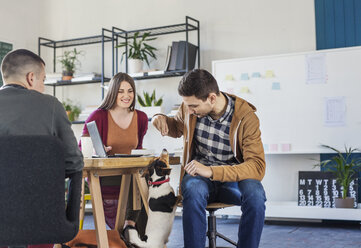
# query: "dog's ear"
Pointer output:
{"type": "Point", "coordinates": [166, 171]}
{"type": "Point", "coordinates": [144, 172]}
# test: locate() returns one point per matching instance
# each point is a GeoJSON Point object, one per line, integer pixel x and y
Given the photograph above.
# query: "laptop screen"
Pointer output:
{"type": "Point", "coordinates": [96, 139]}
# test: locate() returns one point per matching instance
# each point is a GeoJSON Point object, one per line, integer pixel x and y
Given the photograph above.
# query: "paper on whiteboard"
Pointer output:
{"type": "Point", "coordinates": [316, 69]}
{"type": "Point", "coordinates": [335, 111]}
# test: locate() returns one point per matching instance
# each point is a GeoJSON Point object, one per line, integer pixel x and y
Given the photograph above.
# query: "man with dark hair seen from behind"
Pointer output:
{"type": "Point", "coordinates": [24, 110]}
{"type": "Point", "coordinates": [223, 157]}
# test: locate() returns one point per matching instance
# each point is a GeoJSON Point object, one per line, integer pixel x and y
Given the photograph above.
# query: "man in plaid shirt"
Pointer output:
{"type": "Point", "coordinates": [223, 157]}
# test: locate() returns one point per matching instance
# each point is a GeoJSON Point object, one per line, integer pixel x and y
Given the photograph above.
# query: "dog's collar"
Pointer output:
{"type": "Point", "coordinates": [159, 182]}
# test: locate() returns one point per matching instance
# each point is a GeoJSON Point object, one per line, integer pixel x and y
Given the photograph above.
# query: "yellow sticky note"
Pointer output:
{"type": "Point", "coordinates": [229, 77]}
{"type": "Point", "coordinates": [269, 74]}
{"type": "Point", "coordinates": [244, 89]}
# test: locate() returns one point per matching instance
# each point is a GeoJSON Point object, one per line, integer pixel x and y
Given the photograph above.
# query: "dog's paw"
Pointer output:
{"type": "Point", "coordinates": [125, 232]}
{"type": "Point", "coordinates": [133, 235]}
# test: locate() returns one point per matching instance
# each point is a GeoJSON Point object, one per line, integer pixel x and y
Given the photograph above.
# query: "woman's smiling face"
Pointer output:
{"type": "Point", "coordinates": [125, 95]}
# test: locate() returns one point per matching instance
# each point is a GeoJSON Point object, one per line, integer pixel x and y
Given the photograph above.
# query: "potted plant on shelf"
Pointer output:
{"type": "Point", "coordinates": [138, 51]}
{"type": "Point", "coordinates": [72, 110]}
{"type": "Point", "coordinates": [149, 104]}
{"type": "Point", "coordinates": [69, 60]}
{"type": "Point", "coordinates": [344, 168]}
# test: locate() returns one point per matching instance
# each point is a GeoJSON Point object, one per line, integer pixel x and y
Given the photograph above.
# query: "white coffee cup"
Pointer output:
{"type": "Point", "coordinates": [87, 146]}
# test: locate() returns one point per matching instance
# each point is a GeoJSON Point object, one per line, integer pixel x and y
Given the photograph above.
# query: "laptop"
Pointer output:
{"type": "Point", "coordinates": [98, 143]}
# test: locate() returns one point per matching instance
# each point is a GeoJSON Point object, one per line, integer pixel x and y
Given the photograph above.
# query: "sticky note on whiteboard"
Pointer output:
{"type": "Point", "coordinates": [269, 74]}
{"type": "Point", "coordinates": [245, 89]}
{"type": "Point", "coordinates": [244, 76]}
{"type": "Point", "coordinates": [229, 77]}
{"type": "Point", "coordinates": [285, 147]}
{"type": "Point", "coordinates": [276, 86]}
{"type": "Point", "coordinates": [274, 148]}
{"type": "Point", "coordinates": [256, 75]}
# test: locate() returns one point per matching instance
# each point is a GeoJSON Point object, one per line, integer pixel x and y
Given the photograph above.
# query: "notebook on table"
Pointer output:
{"type": "Point", "coordinates": [99, 146]}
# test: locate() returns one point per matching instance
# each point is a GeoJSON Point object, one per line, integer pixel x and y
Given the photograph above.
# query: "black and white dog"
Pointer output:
{"type": "Point", "coordinates": [162, 205]}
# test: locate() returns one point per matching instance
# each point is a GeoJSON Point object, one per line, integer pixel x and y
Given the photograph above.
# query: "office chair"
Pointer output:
{"type": "Point", "coordinates": [212, 225]}
{"type": "Point", "coordinates": [32, 190]}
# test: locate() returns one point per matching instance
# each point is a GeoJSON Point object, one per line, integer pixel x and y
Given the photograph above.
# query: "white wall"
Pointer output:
{"type": "Point", "coordinates": [20, 23]}
{"type": "Point", "coordinates": [229, 29]}
{"type": "Point", "coordinates": [232, 29]}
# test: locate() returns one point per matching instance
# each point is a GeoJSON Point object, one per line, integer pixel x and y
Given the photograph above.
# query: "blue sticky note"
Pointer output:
{"type": "Point", "coordinates": [256, 75]}
{"type": "Point", "coordinates": [244, 76]}
{"type": "Point", "coordinates": [276, 86]}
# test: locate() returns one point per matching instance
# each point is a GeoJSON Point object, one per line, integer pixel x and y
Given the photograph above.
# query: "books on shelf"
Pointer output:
{"type": "Point", "coordinates": [86, 112]}
{"type": "Point", "coordinates": [86, 77]}
{"type": "Point", "coordinates": [178, 56]}
{"type": "Point", "coordinates": [137, 74]}
{"type": "Point", "coordinates": [173, 56]}
{"type": "Point", "coordinates": [150, 73]}
{"type": "Point", "coordinates": [147, 73]}
{"type": "Point", "coordinates": [181, 56]}
{"type": "Point", "coordinates": [52, 78]}
{"type": "Point", "coordinates": [167, 58]}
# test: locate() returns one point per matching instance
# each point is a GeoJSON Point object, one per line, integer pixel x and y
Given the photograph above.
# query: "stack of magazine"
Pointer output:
{"type": "Point", "coordinates": [86, 77]}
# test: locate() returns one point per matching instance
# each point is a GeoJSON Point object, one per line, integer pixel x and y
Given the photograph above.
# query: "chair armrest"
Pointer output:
{"type": "Point", "coordinates": [73, 204]}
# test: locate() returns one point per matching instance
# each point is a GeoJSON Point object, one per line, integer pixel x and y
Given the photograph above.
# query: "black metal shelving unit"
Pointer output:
{"type": "Point", "coordinates": [114, 36]}
{"type": "Point", "coordinates": [120, 35]}
{"type": "Point", "coordinates": [106, 36]}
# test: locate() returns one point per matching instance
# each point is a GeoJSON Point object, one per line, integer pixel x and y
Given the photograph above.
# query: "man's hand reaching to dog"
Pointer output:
{"type": "Point", "coordinates": [194, 168]}
{"type": "Point", "coordinates": [160, 123]}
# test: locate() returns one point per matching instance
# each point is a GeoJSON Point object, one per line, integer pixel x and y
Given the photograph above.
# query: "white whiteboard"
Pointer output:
{"type": "Point", "coordinates": [296, 116]}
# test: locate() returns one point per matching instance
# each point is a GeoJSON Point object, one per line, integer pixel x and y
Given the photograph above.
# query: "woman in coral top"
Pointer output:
{"type": "Point", "coordinates": [122, 129]}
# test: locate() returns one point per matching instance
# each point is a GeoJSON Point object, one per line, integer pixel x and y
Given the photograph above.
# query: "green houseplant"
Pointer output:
{"type": "Point", "coordinates": [149, 100]}
{"type": "Point", "coordinates": [138, 51]}
{"type": "Point", "coordinates": [150, 104]}
{"type": "Point", "coordinates": [72, 110]}
{"type": "Point", "coordinates": [69, 61]}
{"type": "Point", "coordinates": [344, 168]}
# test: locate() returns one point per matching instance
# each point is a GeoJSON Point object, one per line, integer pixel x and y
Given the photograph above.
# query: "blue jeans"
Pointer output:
{"type": "Point", "coordinates": [199, 191]}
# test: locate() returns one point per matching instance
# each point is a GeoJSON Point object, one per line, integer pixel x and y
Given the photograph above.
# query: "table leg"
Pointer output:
{"type": "Point", "coordinates": [137, 202]}
{"type": "Point", "coordinates": [122, 202]}
{"type": "Point", "coordinates": [82, 205]}
{"type": "Point", "coordinates": [143, 190]}
{"type": "Point", "coordinates": [98, 211]}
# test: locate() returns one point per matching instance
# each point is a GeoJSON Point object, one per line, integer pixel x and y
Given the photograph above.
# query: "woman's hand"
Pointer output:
{"type": "Point", "coordinates": [107, 148]}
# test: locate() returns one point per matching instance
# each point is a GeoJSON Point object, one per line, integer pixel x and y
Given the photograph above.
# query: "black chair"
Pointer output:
{"type": "Point", "coordinates": [32, 180]}
{"type": "Point", "coordinates": [212, 225]}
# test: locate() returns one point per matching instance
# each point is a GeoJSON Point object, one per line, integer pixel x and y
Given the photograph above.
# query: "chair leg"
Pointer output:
{"type": "Point", "coordinates": [226, 239]}
{"type": "Point", "coordinates": [212, 231]}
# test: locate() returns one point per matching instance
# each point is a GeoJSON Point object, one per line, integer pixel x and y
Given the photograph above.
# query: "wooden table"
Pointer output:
{"type": "Point", "coordinates": [127, 167]}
